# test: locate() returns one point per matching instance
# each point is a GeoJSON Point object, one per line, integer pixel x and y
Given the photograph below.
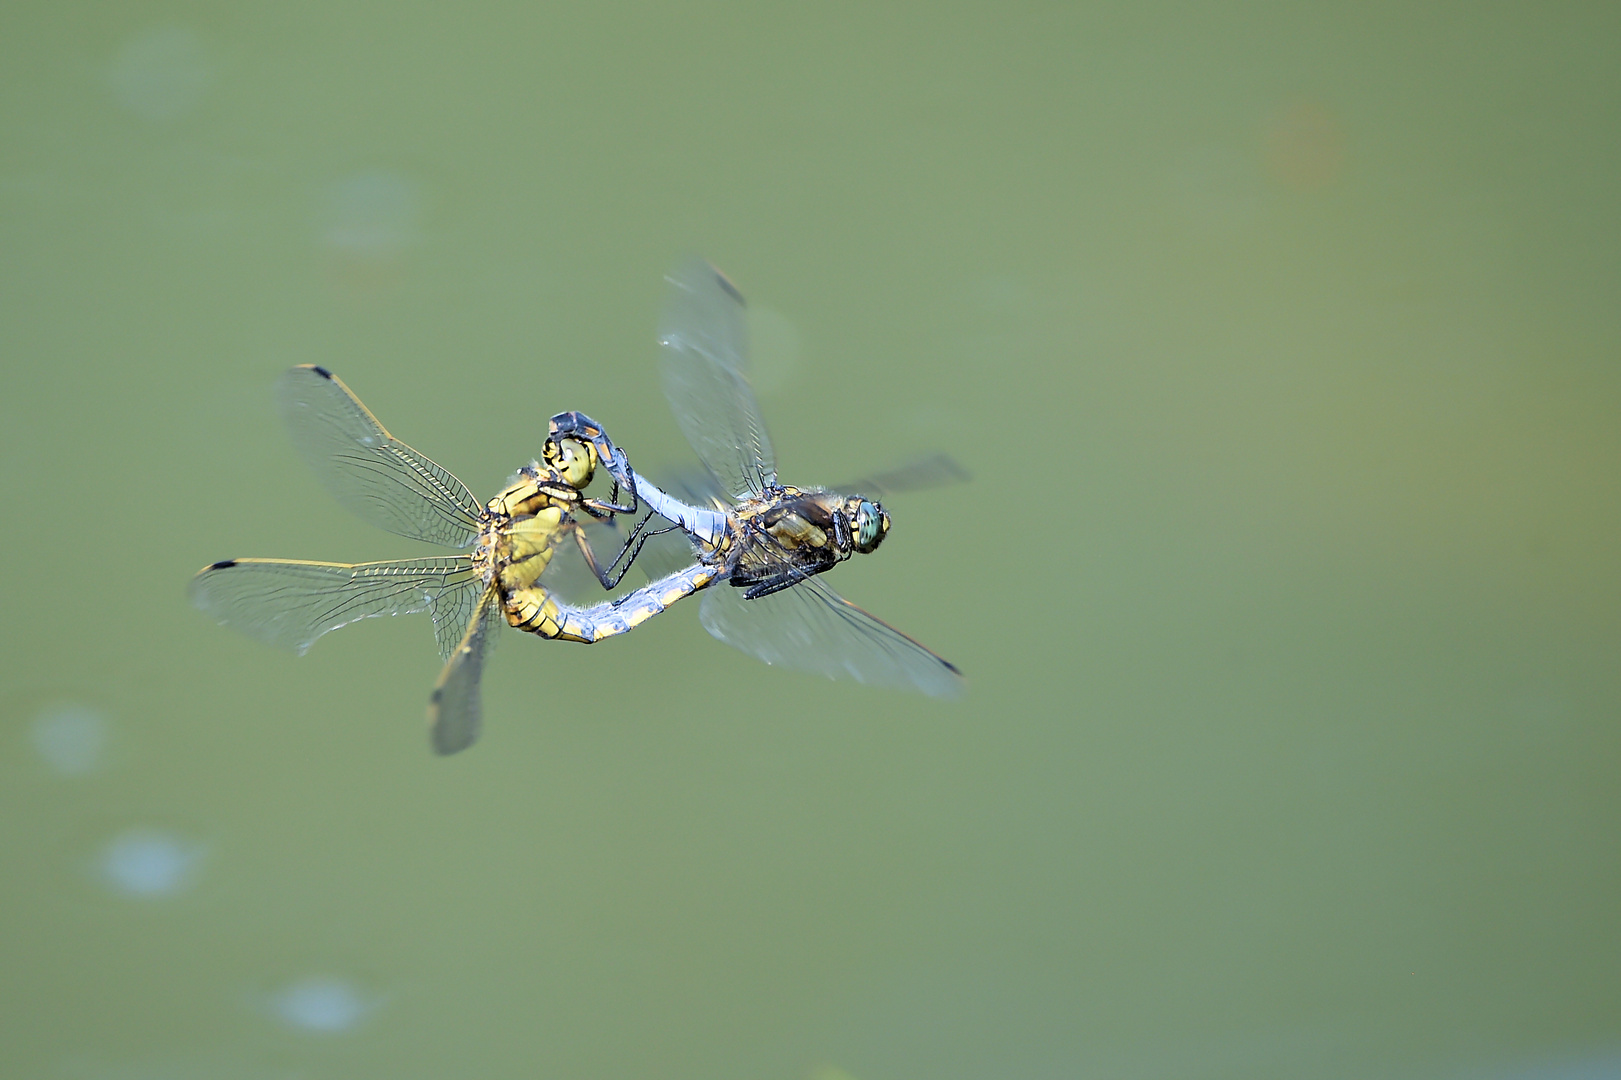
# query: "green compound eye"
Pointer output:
{"type": "Point", "coordinates": [869, 526]}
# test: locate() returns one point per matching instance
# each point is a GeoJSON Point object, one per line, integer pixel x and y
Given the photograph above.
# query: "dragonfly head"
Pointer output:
{"type": "Point", "coordinates": [579, 428]}
{"type": "Point", "coordinates": [869, 522]}
{"type": "Point", "coordinates": [575, 460]}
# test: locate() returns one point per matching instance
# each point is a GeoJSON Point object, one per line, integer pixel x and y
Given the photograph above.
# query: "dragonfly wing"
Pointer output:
{"type": "Point", "coordinates": [454, 710]}
{"type": "Point", "coordinates": [813, 628]}
{"type": "Point", "coordinates": [936, 470]}
{"type": "Point", "coordinates": [291, 603]}
{"type": "Point", "coordinates": [704, 342]}
{"type": "Point", "coordinates": [568, 577]}
{"type": "Point", "coordinates": [367, 469]}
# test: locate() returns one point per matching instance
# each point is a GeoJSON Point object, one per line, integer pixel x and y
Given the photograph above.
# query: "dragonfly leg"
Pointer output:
{"type": "Point", "coordinates": [607, 508]}
{"type": "Point", "coordinates": [611, 575]}
{"type": "Point", "coordinates": [590, 554]}
{"type": "Point", "coordinates": [785, 575]}
{"type": "Point", "coordinates": [632, 548]}
{"type": "Point", "coordinates": [775, 583]}
{"type": "Point", "coordinates": [841, 531]}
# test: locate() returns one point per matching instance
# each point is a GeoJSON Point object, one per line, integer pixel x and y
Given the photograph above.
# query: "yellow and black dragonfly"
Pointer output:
{"type": "Point", "coordinates": [766, 540]}
{"type": "Point", "coordinates": [509, 541]}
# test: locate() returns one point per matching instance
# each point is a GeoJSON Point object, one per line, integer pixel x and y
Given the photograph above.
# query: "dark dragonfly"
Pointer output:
{"type": "Point", "coordinates": [767, 540]}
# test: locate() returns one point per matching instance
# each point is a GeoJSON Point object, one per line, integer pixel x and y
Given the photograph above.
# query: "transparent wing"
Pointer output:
{"type": "Point", "coordinates": [698, 488]}
{"type": "Point", "coordinates": [665, 554]}
{"type": "Point", "coordinates": [291, 603]}
{"type": "Point", "coordinates": [455, 708]}
{"type": "Point", "coordinates": [813, 628]}
{"type": "Point", "coordinates": [367, 469]}
{"type": "Point", "coordinates": [569, 578]}
{"type": "Point", "coordinates": [705, 372]}
{"type": "Point", "coordinates": [936, 470]}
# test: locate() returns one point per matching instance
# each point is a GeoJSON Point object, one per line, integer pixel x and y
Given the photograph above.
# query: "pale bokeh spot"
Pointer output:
{"type": "Point", "coordinates": [161, 74]}
{"type": "Point", "coordinates": [322, 1004]}
{"type": "Point", "coordinates": [71, 738]}
{"type": "Point", "coordinates": [372, 215]}
{"type": "Point", "coordinates": [150, 864]}
{"type": "Point", "coordinates": [370, 221]}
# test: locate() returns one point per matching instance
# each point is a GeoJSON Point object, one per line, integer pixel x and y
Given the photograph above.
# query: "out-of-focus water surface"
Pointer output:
{"type": "Point", "coordinates": [1284, 347]}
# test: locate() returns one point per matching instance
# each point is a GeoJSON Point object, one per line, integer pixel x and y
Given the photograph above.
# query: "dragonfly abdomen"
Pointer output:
{"type": "Point", "coordinates": [704, 524]}
{"type": "Point", "coordinates": [536, 611]}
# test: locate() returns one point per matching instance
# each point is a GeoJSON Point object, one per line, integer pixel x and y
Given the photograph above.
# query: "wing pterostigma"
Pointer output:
{"type": "Point", "coordinates": [812, 628]}
{"type": "Point", "coordinates": [291, 603]}
{"type": "Point", "coordinates": [367, 469]}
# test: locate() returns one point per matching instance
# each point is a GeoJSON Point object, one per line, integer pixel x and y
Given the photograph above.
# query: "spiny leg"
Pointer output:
{"type": "Point", "coordinates": [602, 509]}
{"type": "Point", "coordinates": [775, 583]}
{"type": "Point", "coordinates": [639, 536]}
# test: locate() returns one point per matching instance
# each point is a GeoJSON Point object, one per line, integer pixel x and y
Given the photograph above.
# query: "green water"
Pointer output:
{"type": "Point", "coordinates": [1284, 347]}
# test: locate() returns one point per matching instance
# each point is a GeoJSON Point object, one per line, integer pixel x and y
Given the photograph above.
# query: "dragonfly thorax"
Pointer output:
{"type": "Point", "coordinates": [792, 533]}
{"type": "Point", "coordinates": [520, 527]}
{"type": "Point", "coordinates": [531, 490]}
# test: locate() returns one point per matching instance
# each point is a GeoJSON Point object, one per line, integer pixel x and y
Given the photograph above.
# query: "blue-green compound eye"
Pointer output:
{"type": "Point", "coordinates": [869, 526]}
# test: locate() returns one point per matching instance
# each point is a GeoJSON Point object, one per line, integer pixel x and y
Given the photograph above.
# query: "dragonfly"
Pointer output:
{"type": "Point", "coordinates": [507, 543]}
{"type": "Point", "coordinates": [766, 540]}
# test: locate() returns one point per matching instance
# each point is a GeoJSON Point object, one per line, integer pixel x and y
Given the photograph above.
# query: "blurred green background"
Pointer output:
{"type": "Point", "coordinates": [1282, 341]}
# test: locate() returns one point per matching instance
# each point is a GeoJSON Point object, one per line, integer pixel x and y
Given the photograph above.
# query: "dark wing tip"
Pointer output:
{"type": "Point", "coordinates": [442, 738]}
{"type": "Point", "coordinates": [223, 564]}
{"type": "Point", "coordinates": [951, 689]}
{"type": "Point", "coordinates": [319, 370]}
{"type": "Point", "coordinates": [726, 283]}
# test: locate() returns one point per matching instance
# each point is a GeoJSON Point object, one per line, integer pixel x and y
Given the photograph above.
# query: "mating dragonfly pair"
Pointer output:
{"type": "Point", "coordinates": [765, 540]}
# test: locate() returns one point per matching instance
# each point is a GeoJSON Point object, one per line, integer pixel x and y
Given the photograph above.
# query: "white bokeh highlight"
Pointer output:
{"type": "Point", "coordinates": [322, 1005]}
{"type": "Point", "coordinates": [149, 864]}
{"type": "Point", "coordinates": [372, 215]}
{"type": "Point", "coordinates": [161, 73]}
{"type": "Point", "coordinates": [71, 738]}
